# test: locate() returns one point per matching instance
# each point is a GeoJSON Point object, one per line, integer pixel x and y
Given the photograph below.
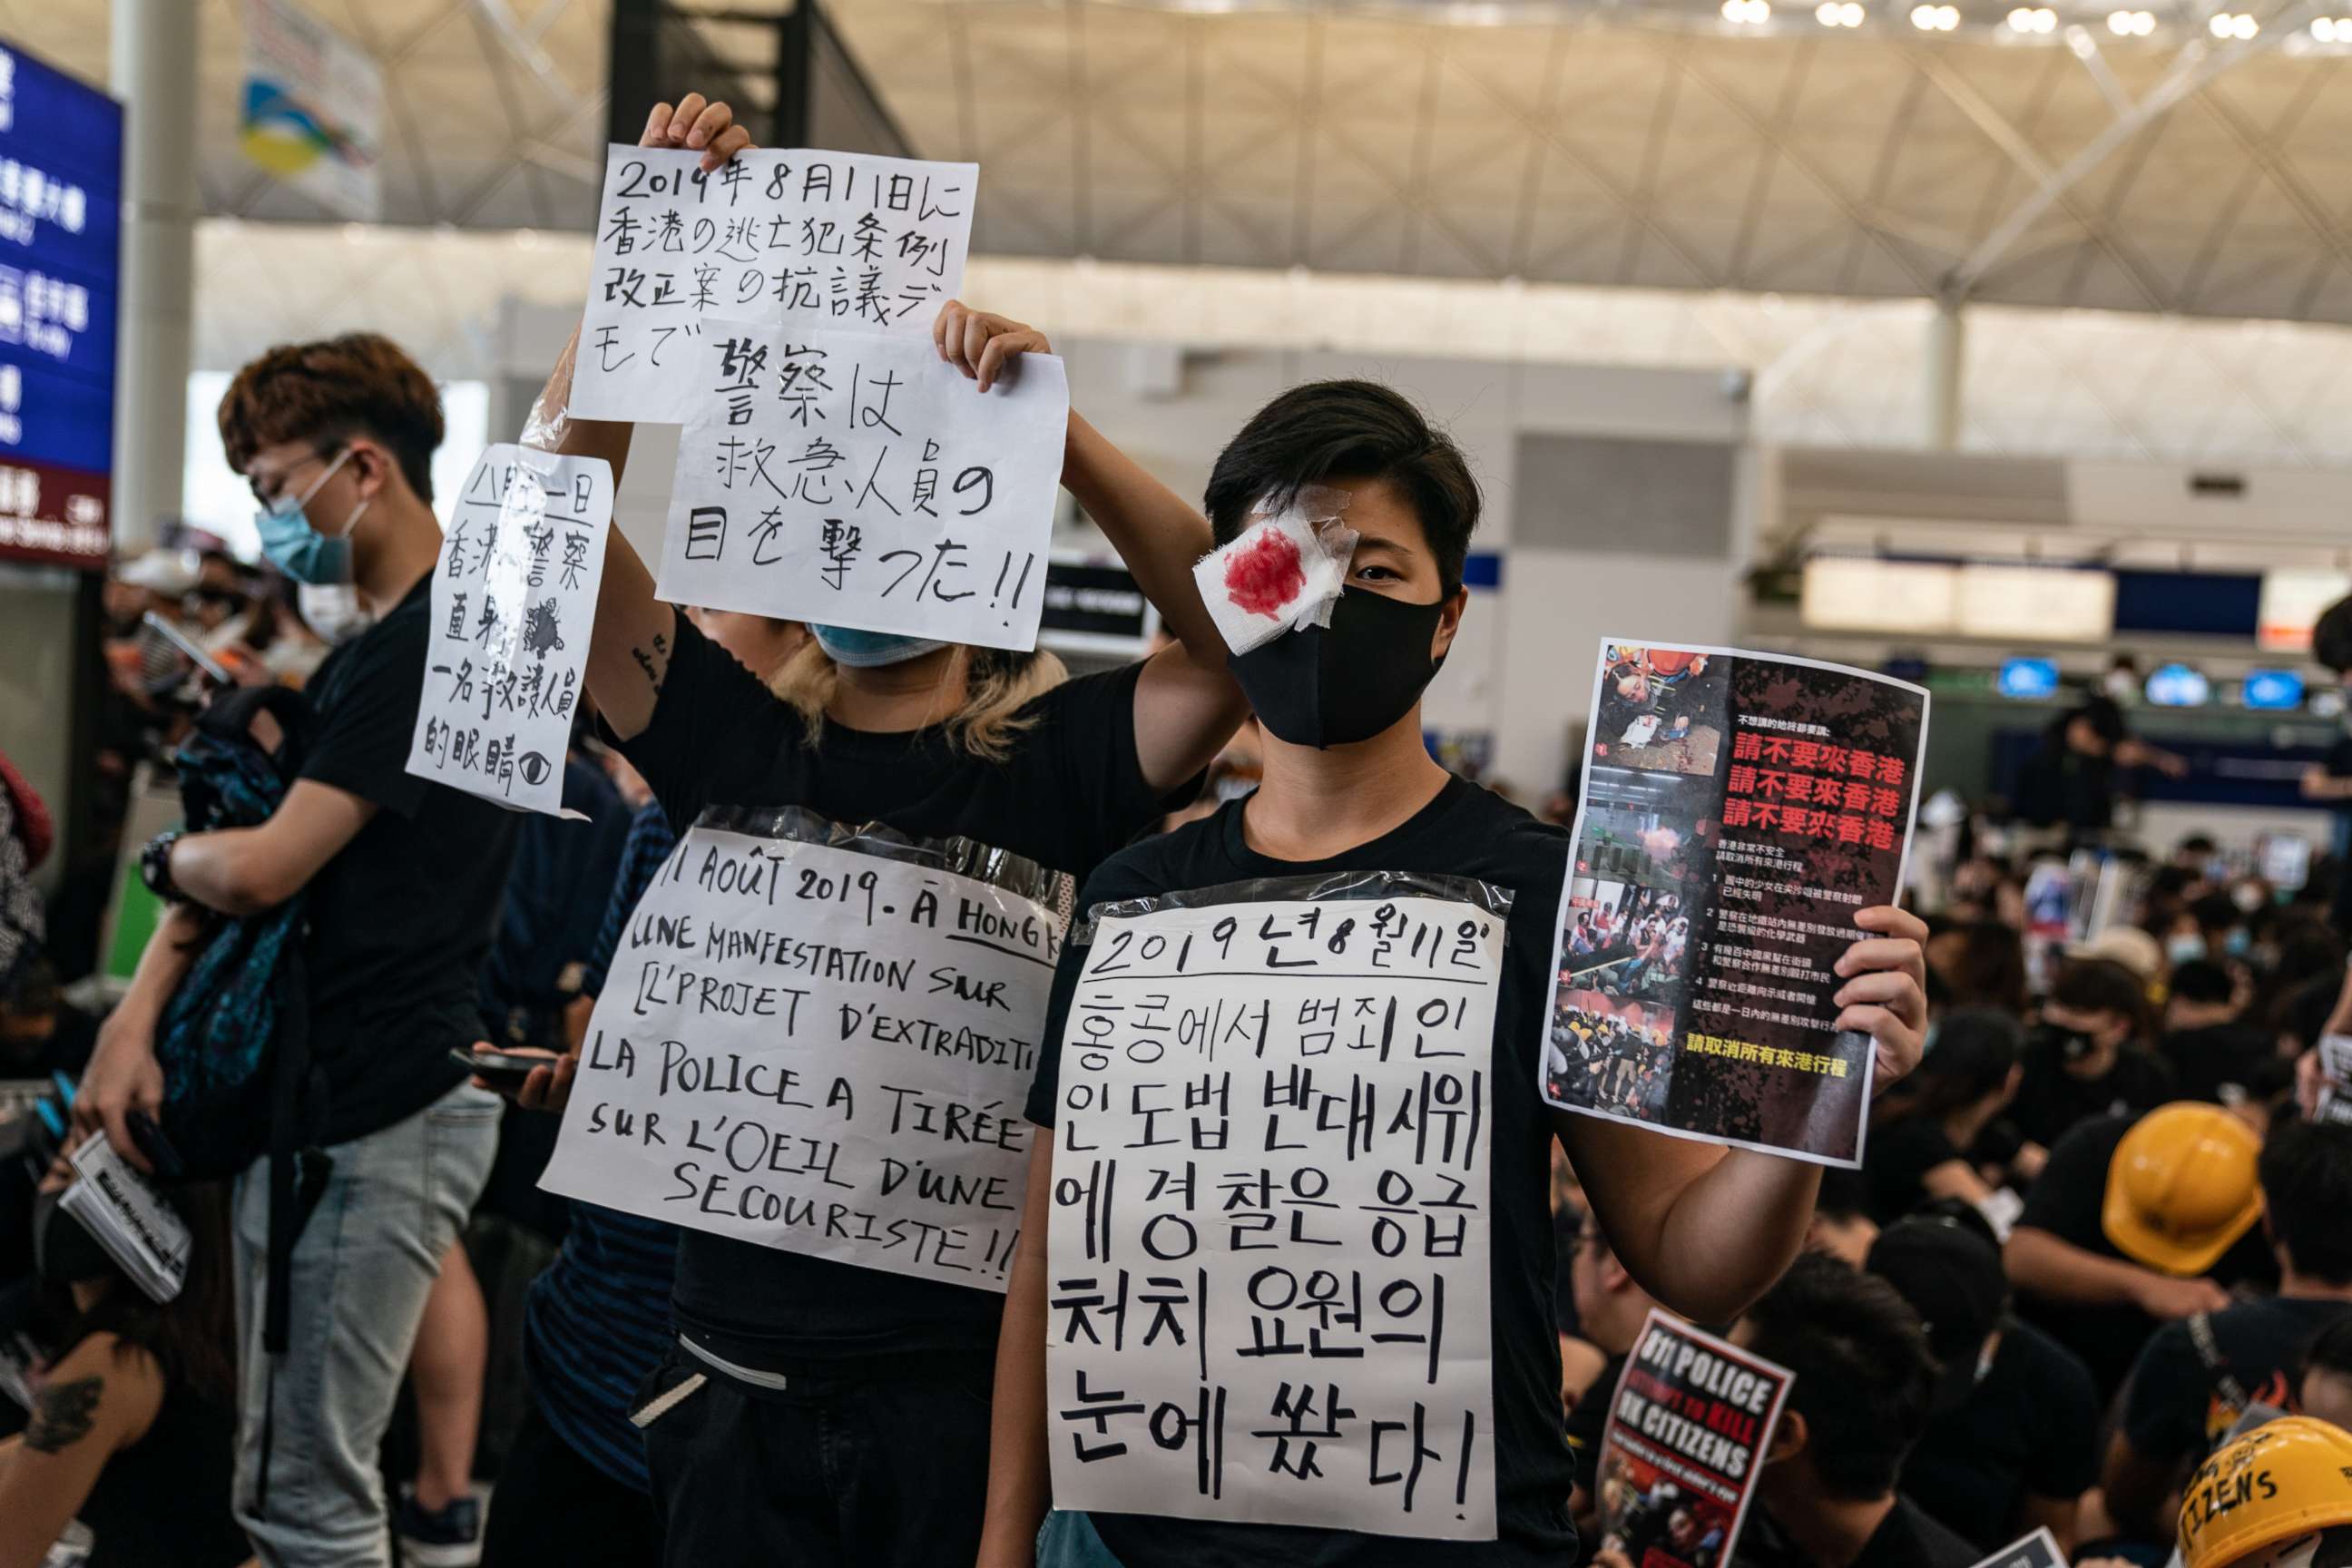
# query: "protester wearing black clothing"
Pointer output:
{"type": "Point", "coordinates": [2082, 1060]}
{"type": "Point", "coordinates": [2215, 1054]}
{"type": "Point", "coordinates": [2013, 1439]}
{"type": "Point", "coordinates": [2196, 1378]}
{"type": "Point", "coordinates": [1861, 1397]}
{"type": "Point", "coordinates": [1917, 1139]}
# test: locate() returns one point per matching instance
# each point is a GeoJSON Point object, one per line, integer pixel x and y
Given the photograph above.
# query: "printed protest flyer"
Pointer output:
{"type": "Point", "coordinates": [1688, 1429]}
{"type": "Point", "coordinates": [2039, 1550]}
{"type": "Point", "coordinates": [1738, 810]}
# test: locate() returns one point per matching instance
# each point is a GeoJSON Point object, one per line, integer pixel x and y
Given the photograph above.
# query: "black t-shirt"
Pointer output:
{"type": "Point", "coordinates": [2066, 1202]}
{"type": "Point", "coordinates": [2202, 1060]}
{"type": "Point", "coordinates": [1897, 1159]}
{"type": "Point", "coordinates": [2179, 1407]}
{"type": "Point", "coordinates": [1070, 793]}
{"type": "Point", "coordinates": [2031, 1428]}
{"type": "Point", "coordinates": [1588, 1424]}
{"type": "Point", "coordinates": [2051, 1101]}
{"type": "Point", "coordinates": [1905, 1538]}
{"type": "Point", "coordinates": [1463, 832]}
{"type": "Point", "coordinates": [400, 920]}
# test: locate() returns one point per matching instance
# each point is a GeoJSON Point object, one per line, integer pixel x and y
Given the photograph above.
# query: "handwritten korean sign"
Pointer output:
{"type": "Point", "coordinates": [514, 599]}
{"type": "Point", "coordinates": [1269, 1287]}
{"type": "Point", "coordinates": [820, 1049]}
{"type": "Point", "coordinates": [859, 481]}
{"type": "Point", "coordinates": [802, 240]}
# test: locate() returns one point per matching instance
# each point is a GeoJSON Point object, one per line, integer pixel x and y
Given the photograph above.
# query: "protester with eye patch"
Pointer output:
{"type": "Point", "coordinates": [1349, 789]}
{"type": "Point", "coordinates": [807, 1383]}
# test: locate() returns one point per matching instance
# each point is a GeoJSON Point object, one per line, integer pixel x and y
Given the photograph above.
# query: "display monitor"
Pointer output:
{"type": "Point", "coordinates": [2178, 686]}
{"type": "Point", "coordinates": [2273, 690]}
{"type": "Point", "coordinates": [2029, 680]}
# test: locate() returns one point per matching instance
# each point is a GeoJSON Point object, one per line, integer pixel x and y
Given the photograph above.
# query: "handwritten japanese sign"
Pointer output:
{"type": "Point", "coordinates": [859, 481]}
{"type": "Point", "coordinates": [812, 1046]}
{"type": "Point", "coordinates": [1738, 810]}
{"type": "Point", "coordinates": [514, 599]}
{"type": "Point", "coordinates": [802, 239]}
{"type": "Point", "coordinates": [1689, 1423]}
{"type": "Point", "coordinates": [1269, 1279]}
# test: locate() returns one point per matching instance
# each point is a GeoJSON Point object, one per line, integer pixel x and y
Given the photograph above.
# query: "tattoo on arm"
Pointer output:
{"type": "Point", "coordinates": [655, 664]}
{"type": "Point", "coordinates": [63, 1415]}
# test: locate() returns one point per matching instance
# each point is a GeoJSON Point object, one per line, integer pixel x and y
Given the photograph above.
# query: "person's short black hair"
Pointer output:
{"type": "Point", "coordinates": [2104, 718]}
{"type": "Point", "coordinates": [2197, 844]}
{"type": "Point", "coordinates": [1348, 431]}
{"type": "Point", "coordinates": [1844, 1196]}
{"type": "Point", "coordinates": [2302, 1013]}
{"type": "Point", "coordinates": [1865, 1380]}
{"type": "Point", "coordinates": [2216, 911]}
{"type": "Point", "coordinates": [2330, 1350]}
{"type": "Point", "coordinates": [2171, 882]}
{"type": "Point", "coordinates": [2331, 636]}
{"type": "Point", "coordinates": [2306, 1176]}
{"type": "Point", "coordinates": [2201, 979]}
{"type": "Point", "coordinates": [2101, 986]}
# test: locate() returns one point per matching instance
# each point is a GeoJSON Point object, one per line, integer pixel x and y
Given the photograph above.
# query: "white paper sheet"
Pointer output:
{"type": "Point", "coordinates": [795, 239]}
{"type": "Point", "coordinates": [862, 481]}
{"type": "Point", "coordinates": [820, 1050]}
{"type": "Point", "coordinates": [124, 1214]}
{"type": "Point", "coordinates": [514, 602]}
{"type": "Point", "coordinates": [1268, 1289]}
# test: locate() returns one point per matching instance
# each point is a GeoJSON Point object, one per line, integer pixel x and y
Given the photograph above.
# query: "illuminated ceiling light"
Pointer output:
{"type": "Point", "coordinates": [2033, 19]}
{"type": "Point", "coordinates": [1839, 13]}
{"type": "Point", "coordinates": [2245, 27]}
{"type": "Point", "coordinates": [2131, 23]}
{"type": "Point", "coordinates": [1936, 19]}
{"type": "Point", "coordinates": [2324, 29]}
{"type": "Point", "coordinates": [1749, 13]}
{"type": "Point", "coordinates": [2234, 25]}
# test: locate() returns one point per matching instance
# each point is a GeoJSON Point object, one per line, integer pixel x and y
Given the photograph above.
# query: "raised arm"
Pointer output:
{"type": "Point", "coordinates": [1186, 705]}
{"type": "Point", "coordinates": [629, 653]}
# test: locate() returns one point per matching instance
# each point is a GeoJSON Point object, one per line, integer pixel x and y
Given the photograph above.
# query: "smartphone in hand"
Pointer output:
{"type": "Point", "coordinates": [504, 1070]}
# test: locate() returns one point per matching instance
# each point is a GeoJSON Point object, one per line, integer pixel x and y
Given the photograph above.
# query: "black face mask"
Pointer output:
{"type": "Point", "coordinates": [1334, 685]}
{"type": "Point", "coordinates": [2069, 1044]}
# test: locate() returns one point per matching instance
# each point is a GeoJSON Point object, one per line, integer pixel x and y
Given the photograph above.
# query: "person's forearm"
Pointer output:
{"type": "Point", "coordinates": [163, 963]}
{"type": "Point", "coordinates": [221, 871]}
{"type": "Point", "coordinates": [630, 646]}
{"type": "Point", "coordinates": [2137, 1490]}
{"type": "Point", "coordinates": [1155, 531]}
{"type": "Point", "coordinates": [1732, 1232]}
{"type": "Point", "coordinates": [1020, 1486]}
{"type": "Point", "coordinates": [2042, 1263]}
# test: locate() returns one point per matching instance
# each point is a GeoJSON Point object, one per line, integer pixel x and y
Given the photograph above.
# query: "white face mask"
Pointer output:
{"type": "Point", "coordinates": [332, 610]}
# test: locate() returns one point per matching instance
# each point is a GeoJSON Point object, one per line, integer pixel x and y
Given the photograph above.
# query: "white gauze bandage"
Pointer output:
{"type": "Point", "coordinates": [1283, 573]}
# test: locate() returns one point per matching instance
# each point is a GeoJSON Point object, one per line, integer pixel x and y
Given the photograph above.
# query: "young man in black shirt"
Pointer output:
{"type": "Point", "coordinates": [2085, 1058]}
{"type": "Point", "coordinates": [1348, 788]}
{"type": "Point", "coordinates": [2197, 1377]}
{"type": "Point", "coordinates": [402, 879]}
{"type": "Point", "coordinates": [2013, 1439]}
{"type": "Point", "coordinates": [2137, 1222]}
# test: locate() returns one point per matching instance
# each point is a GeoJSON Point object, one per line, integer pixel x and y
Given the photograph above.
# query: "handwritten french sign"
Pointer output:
{"type": "Point", "coordinates": [514, 602]}
{"type": "Point", "coordinates": [803, 239]}
{"type": "Point", "coordinates": [1269, 1297]}
{"type": "Point", "coordinates": [820, 1049]}
{"type": "Point", "coordinates": [859, 480]}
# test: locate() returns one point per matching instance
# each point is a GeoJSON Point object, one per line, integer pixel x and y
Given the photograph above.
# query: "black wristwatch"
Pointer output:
{"type": "Point", "coordinates": [155, 866]}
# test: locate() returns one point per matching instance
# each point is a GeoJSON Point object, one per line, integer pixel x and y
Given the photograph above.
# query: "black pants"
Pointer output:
{"type": "Point", "coordinates": [553, 1506]}
{"type": "Point", "coordinates": [827, 1471]}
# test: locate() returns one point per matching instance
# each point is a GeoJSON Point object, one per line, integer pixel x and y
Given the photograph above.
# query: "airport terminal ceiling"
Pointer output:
{"type": "Point", "coordinates": [2158, 161]}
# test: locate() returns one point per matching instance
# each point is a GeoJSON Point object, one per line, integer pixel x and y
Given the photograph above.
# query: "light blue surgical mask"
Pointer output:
{"type": "Point", "coordinates": [2186, 949]}
{"type": "Point", "coordinates": [300, 551]}
{"type": "Point", "coordinates": [861, 650]}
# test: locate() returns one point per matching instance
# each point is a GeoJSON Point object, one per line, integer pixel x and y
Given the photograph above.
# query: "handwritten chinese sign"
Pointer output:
{"type": "Point", "coordinates": [801, 240]}
{"type": "Point", "coordinates": [859, 481]}
{"type": "Point", "coordinates": [818, 1048]}
{"type": "Point", "coordinates": [514, 601]}
{"type": "Point", "coordinates": [1269, 1282]}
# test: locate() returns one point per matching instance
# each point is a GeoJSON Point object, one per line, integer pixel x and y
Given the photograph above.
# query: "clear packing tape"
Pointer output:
{"type": "Point", "coordinates": [1284, 573]}
{"type": "Point", "coordinates": [958, 856]}
{"type": "Point", "coordinates": [1328, 886]}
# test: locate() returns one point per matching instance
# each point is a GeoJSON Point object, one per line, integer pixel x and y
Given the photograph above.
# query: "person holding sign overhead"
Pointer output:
{"type": "Point", "coordinates": [1295, 1303]}
{"type": "Point", "coordinates": [835, 1408]}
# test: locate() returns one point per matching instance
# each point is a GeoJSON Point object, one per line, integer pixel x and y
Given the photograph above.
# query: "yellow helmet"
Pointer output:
{"type": "Point", "coordinates": [2181, 1188]}
{"type": "Point", "coordinates": [2289, 1478]}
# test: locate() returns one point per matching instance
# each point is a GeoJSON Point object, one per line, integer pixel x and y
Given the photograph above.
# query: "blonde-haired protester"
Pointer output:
{"type": "Point", "coordinates": [843, 1412]}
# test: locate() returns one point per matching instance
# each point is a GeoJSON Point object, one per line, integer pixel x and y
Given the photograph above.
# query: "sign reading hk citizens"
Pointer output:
{"type": "Point", "coordinates": [856, 479]}
{"type": "Point", "coordinates": [820, 1040]}
{"type": "Point", "coordinates": [784, 239]}
{"type": "Point", "coordinates": [514, 603]}
{"type": "Point", "coordinates": [1738, 810]}
{"type": "Point", "coordinates": [1269, 1296]}
{"type": "Point", "coordinates": [1689, 1425]}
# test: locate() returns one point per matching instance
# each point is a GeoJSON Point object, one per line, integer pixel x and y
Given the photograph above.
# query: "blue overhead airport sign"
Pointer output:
{"type": "Point", "coordinates": [60, 247]}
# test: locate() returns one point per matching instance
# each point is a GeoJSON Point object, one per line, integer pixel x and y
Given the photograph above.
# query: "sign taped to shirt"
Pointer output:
{"type": "Point", "coordinates": [819, 1038]}
{"type": "Point", "coordinates": [1269, 1297]}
